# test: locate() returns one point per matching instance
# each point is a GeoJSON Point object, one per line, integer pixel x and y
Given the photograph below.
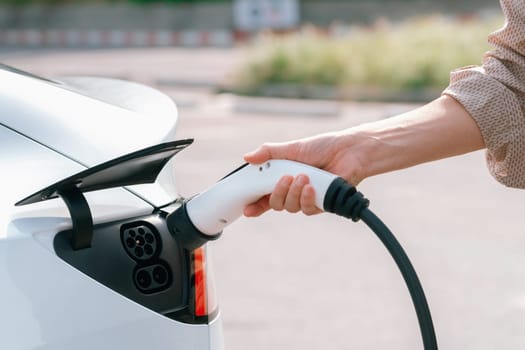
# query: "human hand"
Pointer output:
{"type": "Point", "coordinates": [331, 152]}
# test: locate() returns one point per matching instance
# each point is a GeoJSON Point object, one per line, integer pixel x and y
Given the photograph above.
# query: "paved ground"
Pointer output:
{"type": "Point", "coordinates": [294, 282]}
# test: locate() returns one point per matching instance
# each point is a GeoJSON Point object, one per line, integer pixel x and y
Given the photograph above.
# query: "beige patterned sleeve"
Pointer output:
{"type": "Point", "coordinates": [494, 95]}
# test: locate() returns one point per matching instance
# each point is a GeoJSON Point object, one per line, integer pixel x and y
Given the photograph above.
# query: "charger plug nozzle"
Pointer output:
{"type": "Point", "coordinates": [180, 225]}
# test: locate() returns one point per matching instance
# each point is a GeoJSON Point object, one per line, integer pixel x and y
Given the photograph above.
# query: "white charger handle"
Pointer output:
{"type": "Point", "coordinates": [224, 202]}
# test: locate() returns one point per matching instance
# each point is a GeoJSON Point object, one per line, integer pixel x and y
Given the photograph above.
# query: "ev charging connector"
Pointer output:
{"type": "Point", "coordinates": [203, 217]}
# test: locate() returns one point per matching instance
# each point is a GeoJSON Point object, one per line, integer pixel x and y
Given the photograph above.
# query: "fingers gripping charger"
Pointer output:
{"type": "Point", "coordinates": [203, 217]}
{"type": "Point", "coordinates": [223, 203]}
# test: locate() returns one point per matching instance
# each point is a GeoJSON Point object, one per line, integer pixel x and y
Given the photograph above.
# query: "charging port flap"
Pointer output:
{"type": "Point", "coordinates": [135, 168]}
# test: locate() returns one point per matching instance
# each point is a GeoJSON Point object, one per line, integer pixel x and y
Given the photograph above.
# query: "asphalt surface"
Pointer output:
{"type": "Point", "coordinates": [294, 282]}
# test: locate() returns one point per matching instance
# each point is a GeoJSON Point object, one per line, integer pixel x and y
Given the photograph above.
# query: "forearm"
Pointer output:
{"type": "Point", "coordinates": [440, 129]}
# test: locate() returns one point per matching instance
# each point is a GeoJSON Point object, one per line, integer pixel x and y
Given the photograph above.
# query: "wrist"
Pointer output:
{"type": "Point", "coordinates": [358, 148]}
{"type": "Point", "coordinates": [434, 131]}
{"type": "Point", "coordinates": [373, 154]}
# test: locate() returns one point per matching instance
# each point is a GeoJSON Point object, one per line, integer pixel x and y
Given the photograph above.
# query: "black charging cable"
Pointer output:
{"type": "Point", "coordinates": [343, 199]}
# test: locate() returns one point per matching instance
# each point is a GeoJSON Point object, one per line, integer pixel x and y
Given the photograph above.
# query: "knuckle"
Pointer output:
{"type": "Point", "coordinates": [265, 147]}
{"type": "Point", "coordinates": [282, 187]}
{"type": "Point", "coordinates": [297, 186]}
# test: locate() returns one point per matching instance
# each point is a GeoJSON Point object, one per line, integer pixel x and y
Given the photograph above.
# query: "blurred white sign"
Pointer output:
{"type": "Point", "coordinates": [261, 14]}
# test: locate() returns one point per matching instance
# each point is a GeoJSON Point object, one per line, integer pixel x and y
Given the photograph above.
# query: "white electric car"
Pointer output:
{"type": "Point", "coordinates": [86, 261]}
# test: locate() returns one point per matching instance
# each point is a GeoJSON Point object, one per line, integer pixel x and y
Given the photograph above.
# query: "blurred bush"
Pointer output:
{"type": "Point", "coordinates": [418, 53]}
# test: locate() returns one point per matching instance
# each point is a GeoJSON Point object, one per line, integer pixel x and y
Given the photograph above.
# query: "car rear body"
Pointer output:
{"type": "Point", "coordinates": [56, 297]}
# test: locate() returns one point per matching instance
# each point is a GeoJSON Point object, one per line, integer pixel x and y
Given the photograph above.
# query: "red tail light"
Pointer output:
{"type": "Point", "coordinates": [199, 275]}
{"type": "Point", "coordinates": [204, 286]}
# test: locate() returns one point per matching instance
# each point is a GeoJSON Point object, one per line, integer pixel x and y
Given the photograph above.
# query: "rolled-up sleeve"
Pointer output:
{"type": "Point", "coordinates": [494, 95]}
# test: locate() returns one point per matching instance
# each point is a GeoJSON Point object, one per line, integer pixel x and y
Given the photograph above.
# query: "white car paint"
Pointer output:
{"type": "Point", "coordinates": [77, 119]}
{"type": "Point", "coordinates": [46, 134]}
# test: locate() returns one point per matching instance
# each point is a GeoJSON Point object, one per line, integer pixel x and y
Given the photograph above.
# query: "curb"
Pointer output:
{"type": "Point", "coordinates": [334, 93]}
{"type": "Point", "coordinates": [266, 105]}
{"type": "Point", "coordinates": [35, 38]}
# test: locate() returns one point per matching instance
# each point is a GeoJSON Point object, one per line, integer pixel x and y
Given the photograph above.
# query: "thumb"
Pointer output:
{"type": "Point", "coordinates": [269, 151]}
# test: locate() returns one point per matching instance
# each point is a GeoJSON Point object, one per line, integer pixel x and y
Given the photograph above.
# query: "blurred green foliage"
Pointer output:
{"type": "Point", "coordinates": [417, 53]}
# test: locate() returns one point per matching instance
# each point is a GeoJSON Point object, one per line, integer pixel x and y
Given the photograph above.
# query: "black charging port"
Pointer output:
{"type": "Point", "coordinates": [141, 241]}
{"type": "Point", "coordinates": [152, 278]}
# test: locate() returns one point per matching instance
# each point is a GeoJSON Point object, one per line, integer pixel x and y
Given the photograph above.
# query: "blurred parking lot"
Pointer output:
{"type": "Point", "coordinates": [294, 282]}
